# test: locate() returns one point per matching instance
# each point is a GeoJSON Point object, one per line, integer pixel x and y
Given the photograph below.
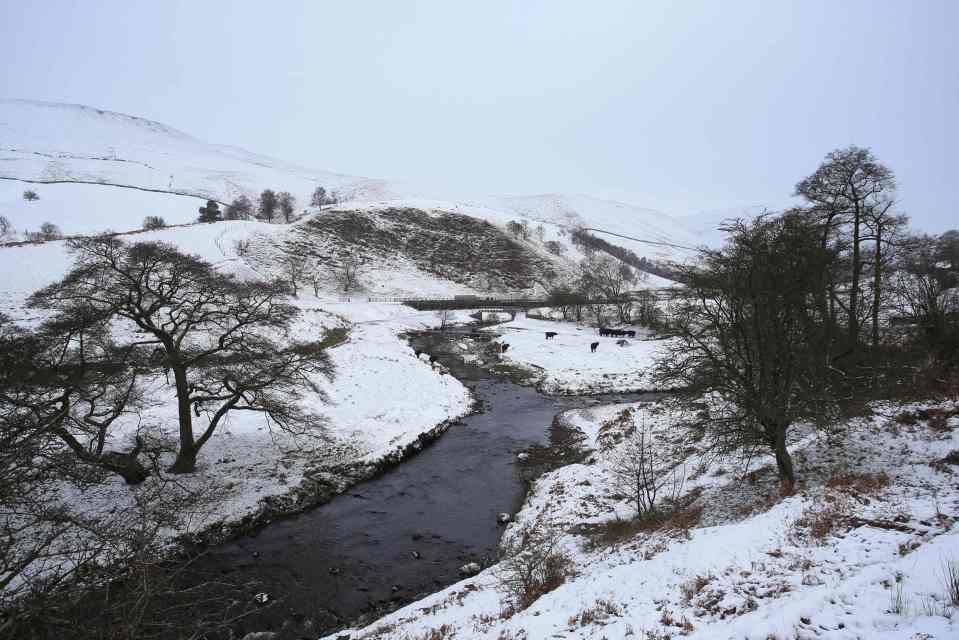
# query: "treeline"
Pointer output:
{"type": "Point", "coordinates": [271, 206]}
{"type": "Point", "coordinates": [587, 243]}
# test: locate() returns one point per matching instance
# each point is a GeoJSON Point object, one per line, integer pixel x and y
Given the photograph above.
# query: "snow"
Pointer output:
{"type": "Point", "coordinates": [50, 141]}
{"type": "Point", "coordinates": [751, 569]}
{"type": "Point", "coordinates": [382, 398]}
{"type": "Point", "coordinates": [565, 364]}
{"type": "Point", "coordinates": [53, 142]}
{"type": "Point", "coordinates": [88, 208]}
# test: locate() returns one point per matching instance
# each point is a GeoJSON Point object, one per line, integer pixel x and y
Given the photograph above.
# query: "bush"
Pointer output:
{"type": "Point", "coordinates": [153, 222]}
{"type": "Point", "coordinates": [533, 564]}
{"type": "Point", "coordinates": [30, 195]}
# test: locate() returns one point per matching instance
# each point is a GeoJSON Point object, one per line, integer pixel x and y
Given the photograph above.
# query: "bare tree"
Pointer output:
{"type": "Point", "coordinates": [151, 223]}
{"type": "Point", "coordinates": [213, 330]}
{"type": "Point", "coordinates": [848, 188]}
{"type": "Point", "coordinates": [50, 231]}
{"type": "Point", "coordinates": [294, 265]}
{"type": "Point", "coordinates": [748, 331]}
{"type": "Point", "coordinates": [267, 207]}
{"type": "Point", "coordinates": [240, 209]}
{"type": "Point", "coordinates": [643, 470]}
{"type": "Point", "coordinates": [926, 292]}
{"type": "Point", "coordinates": [287, 204]}
{"type": "Point", "coordinates": [606, 278]}
{"type": "Point", "coordinates": [6, 228]}
{"type": "Point", "coordinates": [348, 271]}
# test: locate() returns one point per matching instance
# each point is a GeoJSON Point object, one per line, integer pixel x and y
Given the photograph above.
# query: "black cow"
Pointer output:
{"type": "Point", "coordinates": [505, 347]}
{"type": "Point", "coordinates": [603, 331]}
{"type": "Point", "coordinates": [630, 334]}
{"type": "Point", "coordinates": [592, 347]}
{"type": "Point", "coordinates": [622, 343]}
{"type": "Point", "coordinates": [550, 335]}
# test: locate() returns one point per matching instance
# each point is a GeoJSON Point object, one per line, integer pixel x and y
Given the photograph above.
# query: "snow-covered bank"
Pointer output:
{"type": "Point", "coordinates": [565, 364]}
{"type": "Point", "coordinates": [859, 552]}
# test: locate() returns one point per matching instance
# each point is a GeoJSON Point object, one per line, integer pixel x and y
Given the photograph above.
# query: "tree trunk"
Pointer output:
{"type": "Point", "coordinates": [876, 286]}
{"type": "Point", "coordinates": [854, 288]}
{"type": "Point", "coordinates": [784, 462]}
{"type": "Point", "coordinates": [186, 456]}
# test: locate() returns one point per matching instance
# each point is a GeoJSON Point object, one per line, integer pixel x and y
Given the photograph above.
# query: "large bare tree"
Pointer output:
{"type": "Point", "coordinates": [214, 332]}
{"type": "Point", "coordinates": [849, 187]}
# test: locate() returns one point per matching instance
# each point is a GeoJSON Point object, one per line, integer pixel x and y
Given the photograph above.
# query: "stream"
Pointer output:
{"type": "Point", "coordinates": [404, 534]}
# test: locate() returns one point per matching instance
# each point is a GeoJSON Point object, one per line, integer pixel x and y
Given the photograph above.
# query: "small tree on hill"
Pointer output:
{"type": "Point", "coordinates": [267, 207]}
{"type": "Point", "coordinates": [210, 212]}
{"type": "Point", "coordinates": [153, 222]}
{"type": "Point", "coordinates": [6, 228]}
{"type": "Point", "coordinates": [348, 271]}
{"type": "Point", "coordinates": [287, 204]}
{"type": "Point", "coordinates": [321, 197]}
{"type": "Point", "coordinates": [240, 209]}
{"type": "Point", "coordinates": [215, 333]}
{"type": "Point", "coordinates": [50, 231]}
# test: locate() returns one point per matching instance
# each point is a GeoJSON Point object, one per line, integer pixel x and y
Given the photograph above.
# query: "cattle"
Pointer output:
{"type": "Point", "coordinates": [630, 334]}
{"type": "Point", "coordinates": [592, 347]}
{"type": "Point", "coordinates": [603, 331]}
{"type": "Point", "coordinates": [550, 335]}
{"type": "Point", "coordinates": [622, 343]}
{"type": "Point", "coordinates": [504, 348]}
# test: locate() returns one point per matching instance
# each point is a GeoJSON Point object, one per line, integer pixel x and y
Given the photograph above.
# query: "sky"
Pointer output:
{"type": "Point", "coordinates": [683, 106]}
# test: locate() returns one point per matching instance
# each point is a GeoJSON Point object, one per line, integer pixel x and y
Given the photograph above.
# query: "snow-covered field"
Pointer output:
{"type": "Point", "coordinates": [90, 208]}
{"type": "Point", "coordinates": [754, 566]}
{"type": "Point", "coordinates": [565, 365]}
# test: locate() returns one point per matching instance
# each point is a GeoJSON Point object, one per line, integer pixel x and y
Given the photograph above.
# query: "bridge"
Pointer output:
{"type": "Point", "coordinates": [509, 304]}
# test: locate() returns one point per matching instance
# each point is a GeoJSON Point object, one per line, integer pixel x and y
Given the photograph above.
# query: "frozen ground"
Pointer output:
{"type": "Point", "coordinates": [565, 364]}
{"type": "Point", "coordinates": [754, 566]}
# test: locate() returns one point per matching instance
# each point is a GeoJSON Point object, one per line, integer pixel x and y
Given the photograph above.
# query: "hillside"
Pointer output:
{"type": "Point", "coordinates": [96, 170]}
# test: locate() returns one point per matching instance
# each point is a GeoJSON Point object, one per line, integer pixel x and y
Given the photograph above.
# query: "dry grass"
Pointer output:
{"type": "Point", "coordinates": [600, 611]}
{"type": "Point", "coordinates": [858, 483]}
{"type": "Point", "coordinates": [950, 580]}
{"type": "Point", "coordinates": [694, 586]}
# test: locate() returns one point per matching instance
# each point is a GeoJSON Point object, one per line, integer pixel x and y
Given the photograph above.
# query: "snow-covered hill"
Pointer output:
{"type": "Point", "coordinates": [52, 142]}
{"type": "Point", "coordinates": [130, 167]}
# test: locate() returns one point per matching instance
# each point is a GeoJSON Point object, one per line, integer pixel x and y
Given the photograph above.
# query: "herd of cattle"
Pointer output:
{"type": "Point", "coordinates": [605, 332]}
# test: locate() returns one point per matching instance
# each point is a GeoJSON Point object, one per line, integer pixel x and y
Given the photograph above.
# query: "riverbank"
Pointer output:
{"type": "Point", "coordinates": [863, 548]}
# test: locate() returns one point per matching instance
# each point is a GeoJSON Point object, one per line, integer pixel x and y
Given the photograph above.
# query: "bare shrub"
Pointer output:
{"type": "Point", "coordinates": [644, 471]}
{"type": "Point", "coordinates": [151, 223]}
{"type": "Point", "coordinates": [30, 195]}
{"type": "Point", "coordinates": [600, 611]}
{"type": "Point", "coordinates": [950, 580]}
{"type": "Point", "coordinates": [533, 564]}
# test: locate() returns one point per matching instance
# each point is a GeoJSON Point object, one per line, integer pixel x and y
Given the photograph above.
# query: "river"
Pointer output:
{"type": "Point", "coordinates": [404, 534]}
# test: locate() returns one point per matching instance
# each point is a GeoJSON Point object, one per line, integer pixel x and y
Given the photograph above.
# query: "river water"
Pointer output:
{"type": "Point", "coordinates": [404, 534]}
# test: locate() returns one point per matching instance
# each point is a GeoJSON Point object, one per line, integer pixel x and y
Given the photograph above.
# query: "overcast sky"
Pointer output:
{"type": "Point", "coordinates": [680, 106]}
